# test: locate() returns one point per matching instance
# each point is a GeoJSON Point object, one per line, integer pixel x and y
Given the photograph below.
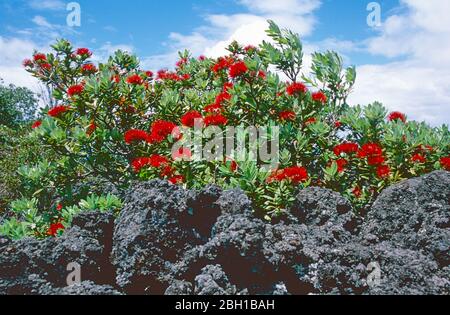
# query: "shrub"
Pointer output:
{"type": "Point", "coordinates": [119, 122]}
{"type": "Point", "coordinates": [18, 105]}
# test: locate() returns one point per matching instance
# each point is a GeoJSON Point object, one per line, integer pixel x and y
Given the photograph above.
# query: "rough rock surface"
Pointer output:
{"type": "Point", "coordinates": [171, 241]}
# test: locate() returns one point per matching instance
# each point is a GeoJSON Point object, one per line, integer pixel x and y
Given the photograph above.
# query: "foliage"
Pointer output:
{"type": "Point", "coordinates": [116, 121]}
{"type": "Point", "coordinates": [18, 105]}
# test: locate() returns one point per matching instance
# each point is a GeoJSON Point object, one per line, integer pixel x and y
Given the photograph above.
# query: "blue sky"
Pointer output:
{"type": "Point", "coordinates": [393, 64]}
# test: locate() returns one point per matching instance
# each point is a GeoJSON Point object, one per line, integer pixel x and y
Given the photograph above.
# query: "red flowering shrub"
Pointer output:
{"type": "Point", "coordinates": [127, 129]}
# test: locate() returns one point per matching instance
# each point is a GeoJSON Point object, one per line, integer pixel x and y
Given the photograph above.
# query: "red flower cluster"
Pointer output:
{"type": "Point", "coordinates": [287, 115]}
{"type": "Point", "coordinates": [89, 68]}
{"type": "Point", "coordinates": [135, 135]}
{"type": "Point", "coordinates": [341, 164]}
{"type": "Point", "coordinates": [160, 130]}
{"type": "Point", "coordinates": [75, 90]}
{"type": "Point", "coordinates": [172, 76]}
{"type": "Point", "coordinates": [319, 97]}
{"type": "Point", "coordinates": [238, 69]}
{"type": "Point", "coordinates": [445, 163]}
{"type": "Point", "coordinates": [39, 57]}
{"type": "Point", "coordinates": [182, 154]}
{"type": "Point", "coordinates": [215, 120]}
{"type": "Point", "coordinates": [190, 118]}
{"type": "Point", "coordinates": [155, 161]}
{"type": "Point", "coordinates": [222, 64]}
{"type": "Point", "coordinates": [347, 148]}
{"type": "Point", "coordinates": [296, 89]}
{"type": "Point", "coordinates": [178, 179]}
{"type": "Point", "coordinates": [370, 150]}
{"type": "Point", "coordinates": [58, 110]}
{"type": "Point", "coordinates": [135, 79]}
{"type": "Point", "coordinates": [36, 124]}
{"type": "Point", "coordinates": [27, 63]}
{"type": "Point", "coordinates": [357, 192]}
{"type": "Point", "coordinates": [55, 228]}
{"type": "Point", "coordinates": [394, 116]}
{"type": "Point", "coordinates": [295, 174]}
{"type": "Point", "coordinates": [419, 158]}
{"type": "Point", "coordinates": [310, 121]}
{"type": "Point", "coordinates": [383, 171]}
{"type": "Point", "coordinates": [46, 66]}
{"type": "Point", "coordinates": [84, 52]}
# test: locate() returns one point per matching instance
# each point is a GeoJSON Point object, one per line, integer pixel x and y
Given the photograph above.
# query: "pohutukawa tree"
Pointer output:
{"type": "Point", "coordinates": [116, 121]}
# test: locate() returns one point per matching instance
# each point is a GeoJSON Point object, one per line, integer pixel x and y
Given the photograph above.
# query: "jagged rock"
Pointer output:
{"type": "Point", "coordinates": [84, 288]}
{"type": "Point", "coordinates": [172, 241]}
{"type": "Point", "coordinates": [213, 281]}
{"type": "Point", "coordinates": [316, 206]}
{"type": "Point", "coordinates": [150, 234]}
{"type": "Point", "coordinates": [414, 214]}
{"type": "Point", "coordinates": [87, 243]}
{"type": "Point", "coordinates": [179, 288]}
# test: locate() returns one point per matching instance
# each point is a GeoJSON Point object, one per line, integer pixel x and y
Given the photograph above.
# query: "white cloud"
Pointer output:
{"type": "Point", "coordinates": [419, 84]}
{"type": "Point", "coordinates": [47, 5]}
{"type": "Point", "coordinates": [41, 21]}
{"type": "Point", "coordinates": [247, 28]}
{"type": "Point", "coordinates": [12, 52]}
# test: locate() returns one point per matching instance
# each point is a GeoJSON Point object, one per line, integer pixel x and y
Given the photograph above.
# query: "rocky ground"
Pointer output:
{"type": "Point", "coordinates": [171, 241]}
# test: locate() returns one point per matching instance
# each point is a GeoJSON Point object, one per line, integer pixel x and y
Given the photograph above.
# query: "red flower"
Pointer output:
{"type": "Point", "coordinates": [227, 86]}
{"type": "Point", "coordinates": [346, 148]}
{"type": "Point", "coordinates": [394, 116]}
{"type": "Point", "coordinates": [445, 163]}
{"type": "Point", "coordinates": [27, 63]}
{"type": "Point", "coordinates": [338, 124]}
{"type": "Point", "coordinates": [160, 130]}
{"type": "Point", "coordinates": [75, 90]}
{"type": "Point", "coordinates": [213, 108]}
{"type": "Point", "coordinates": [36, 124]}
{"type": "Point", "coordinates": [39, 57]}
{"type": "Point", "coordinates": [134, 79]}
{"type": "Point", "coordinates": [55, 228]}
{"type": "Point", "coordinates": [383, 171]}
{"type": "Point", "coordinates": [310, 121]}
{"type": "Point", "coordinates": [190, 118]}
{"type": "Point", "coordinates": [375, 160]}
{"type": "Point", "coordinates": [262, 75]}
{"type": "Point", "coordinates": [58, 110]}
{"type": "Point", "coordinates": [370, 150]}
{"type": "Point", "coordinates": [238, 69]}
{"type": "Point", "coordinates": [287, 115]}
{"type": "Point", "coordinates": [249, 48]}
{"type": "Point", "coordinates": [149, 74]}
{"type": "Point", "coordinates": [357, 192]}
{"type": "Point", "coordinates": [418, 158]}
{"type": "Point", "coordinates": [179, 179]}
{"type": "Point", "coordinates": [46, 66]}
{"type": "Point", "coordinates": [59, 207]}
{"type": "Point", "coordinates": [202, 58]}
{"type": "Point", "coordinates": [180, 63]}
{"type": "Point", "coordinates": [135, 135]}
{"type": "Point", "coordinates": [341, 164]}
{"type": "Point", "coordinates": [84, 52]}
{"type": "Point", "coordinates": [222, 97]}
{"type": "Point", "coordinates": [215, 120]}
{"type": "Point", "coordinates": [296, 174]}
{"type": "Point", "coordinates": [296, 89]}
{"type": "Point", "coordinates": [319, 97]}
{"type": "Point", "coordinates": [155, 161]}
{"type": "Point", "coordinates": [115, 78]}
{"type": "Point", "coordinates": [89, 68]}
{"type": "Point", "coordinates": [222, 63]}
{"type": "Point", "coordinates": [233, 164]}
{"type": "Point", "coordinates": [182, 154]}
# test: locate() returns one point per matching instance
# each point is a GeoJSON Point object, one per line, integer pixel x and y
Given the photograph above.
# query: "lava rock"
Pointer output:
{"type": "Point", "coordinates": [414, 214]}
{"type": "Point", "coordinates": [149, 236]}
